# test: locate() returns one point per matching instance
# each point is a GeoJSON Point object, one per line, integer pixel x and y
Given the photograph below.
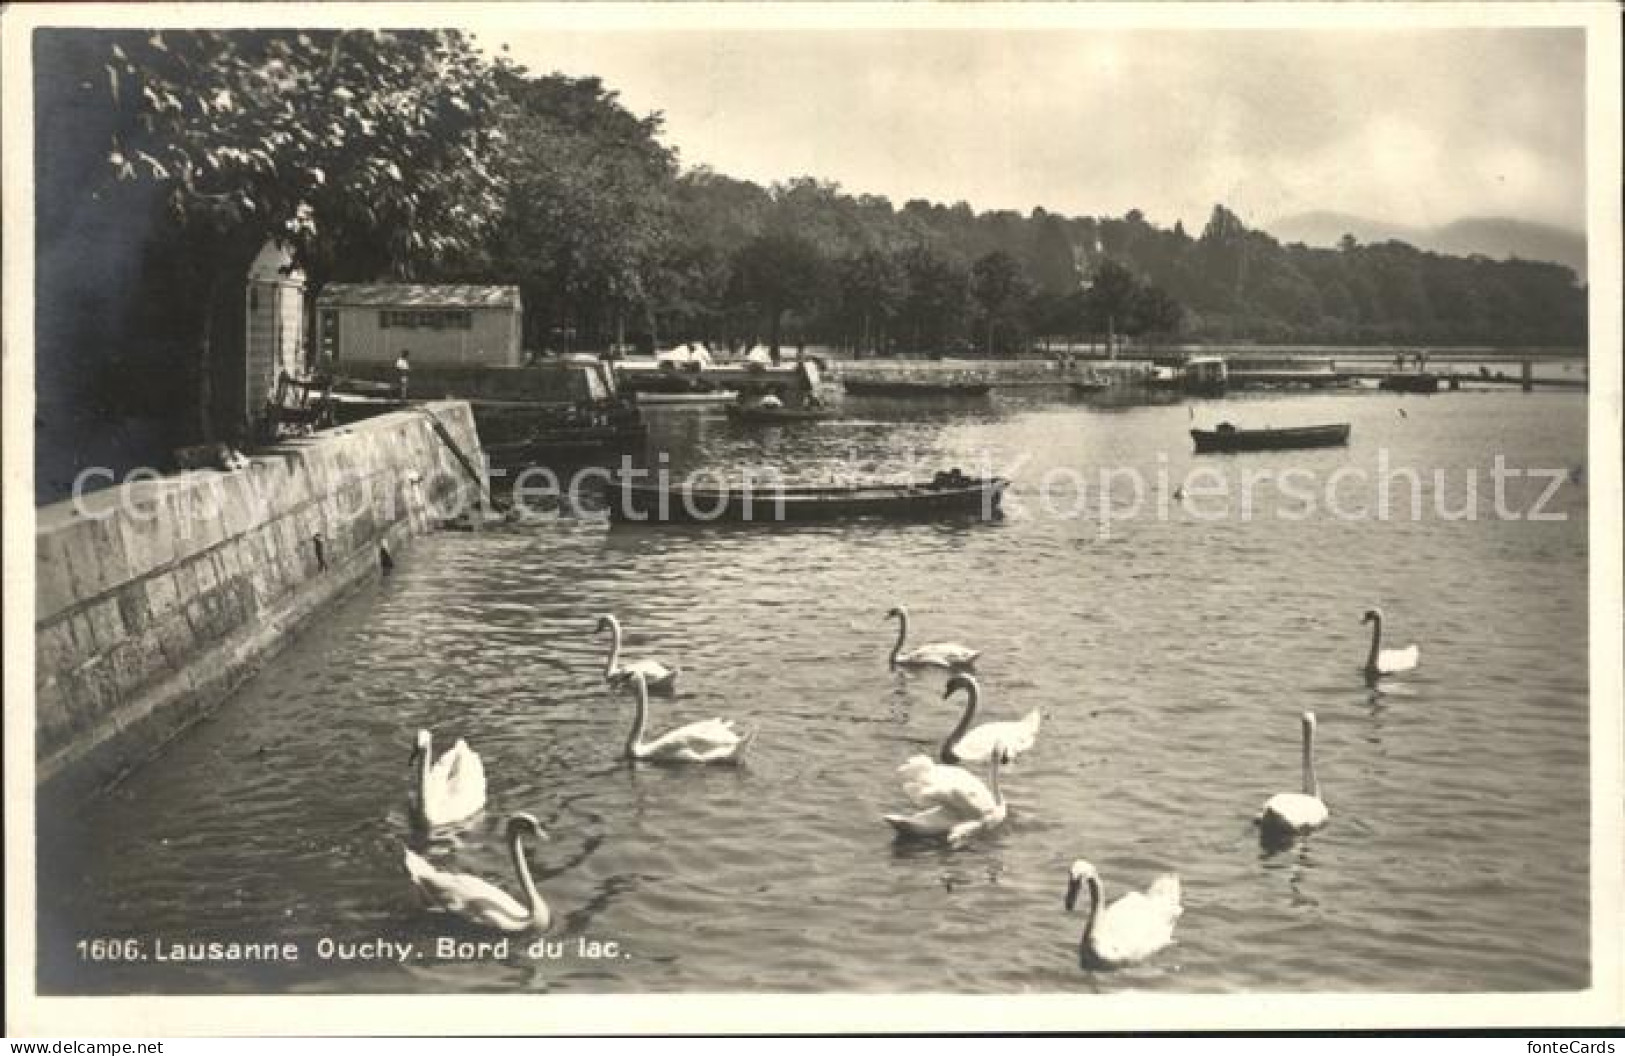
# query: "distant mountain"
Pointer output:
{"type": "Point", "coordinates": [1495, 237]}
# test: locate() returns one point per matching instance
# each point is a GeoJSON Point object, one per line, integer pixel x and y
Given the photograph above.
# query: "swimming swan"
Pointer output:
{"type": "Point", "coordinates": [450, 789]}
{"type": "Point", "coordinates": [480, 901]}
{"type": "Point", "coordinates": [1287, 814]}
{"type": "Point", "coordinates": [660, 678]}
{"type": "Point", "coordinates": [1129, 930]}
{"type": "Point", "coordinates": [954, 804]}
{"type": "Point", "coordinates": [1386, 661]}
{"type": "Point", "coordinates": [967, 745]}
{"type": "Point", "coordinates": [707, 741]}
{"type": "Point", "coordinates": [934, 654]}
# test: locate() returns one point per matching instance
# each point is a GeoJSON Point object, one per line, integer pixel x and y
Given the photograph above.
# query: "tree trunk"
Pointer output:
{"type": "Point", "coordinates": [654, 327]}
{"type": "Point", "coordinates": [205, 363]}
{"type": "Point", "coordinates": [774, 318]}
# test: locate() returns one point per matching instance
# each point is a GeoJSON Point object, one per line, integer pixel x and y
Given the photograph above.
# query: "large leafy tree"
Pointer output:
{"type": "Point", "coordinates": [1001, 289]}
{"type": "Point", "coordinates": [364, 153]}
{"type": "Point", "coordinates": [872, 289]}
{"type": "Point", "coordinates": [777, 272]}
{"type": "Point", "coordinates": [934, 306]}
{"type": "Point", "coordinates": [589, 214]}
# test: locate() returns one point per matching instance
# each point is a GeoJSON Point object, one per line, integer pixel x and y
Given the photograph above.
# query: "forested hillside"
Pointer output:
{"type": "Point", "coordinates": [614, 240]}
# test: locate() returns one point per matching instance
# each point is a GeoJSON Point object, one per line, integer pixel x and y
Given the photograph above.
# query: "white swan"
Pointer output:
{"type": "Point", "coordinates": [1382, 661]}
{"type": "Point", "coordinates": [954, 804]}
{"type": "Point", "coordinates": [934, 654]}
{"type": "Point", "coordinates": [966, 745]}
{"type": "Point", "coordinates": [707, 741]}
{"type": "Point", "coordinates": [1129, 930]}
{"type": "Point", "coordinates": [480, 901]}
{"type": "Point", "coordinates": [660, 678]}
{"type": "Point", "coordinates": [1287, 814]}
{"type": "Point", "coordinates": [447, 789]}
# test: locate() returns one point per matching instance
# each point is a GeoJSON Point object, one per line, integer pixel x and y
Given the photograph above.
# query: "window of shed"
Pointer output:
{"type": "Point", "coordinates": [435, 319]}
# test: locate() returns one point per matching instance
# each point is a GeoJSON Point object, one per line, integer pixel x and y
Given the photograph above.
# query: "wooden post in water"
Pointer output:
{"type": "Point", "coordinates": [1528, 375]}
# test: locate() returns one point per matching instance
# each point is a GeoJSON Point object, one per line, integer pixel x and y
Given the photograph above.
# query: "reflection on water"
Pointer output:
{"type": "Point", "coordinates": [1171, 656]}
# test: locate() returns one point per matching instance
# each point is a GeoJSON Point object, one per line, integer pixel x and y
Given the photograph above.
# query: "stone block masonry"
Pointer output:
{"type": "Point", "coordinates": [156, 599]}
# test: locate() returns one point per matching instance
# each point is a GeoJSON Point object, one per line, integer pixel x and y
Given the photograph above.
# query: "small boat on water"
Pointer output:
{"type": "Point", "coordinates": [1090, 386]}
{"type": "Point", "coordinates": [1423, 383]}
{"type": "Point", "coordinates": [1195, 376]}
{"type": "Point", "coordinates": [755, 414]}
{"type": "Point", "coordinates": [714, 396]}
{"type": "Point", "coordinates": [673, 386]}
{"type": "Point", "coordinates": [910, 387]}
{"type": "Point", "coordinates": [1228, 438]}
{"type": "Point", "coordinates": [947, 495]}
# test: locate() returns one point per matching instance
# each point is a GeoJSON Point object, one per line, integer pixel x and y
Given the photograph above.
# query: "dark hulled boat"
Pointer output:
{"type": "Point", "coordinates": [1422, 383]}
{"type": "Point", "coordinates": [1228, 438]}
{"type": "Point", "coordinates": [945, 496]}
{"type": "Point", "coordinates": [902, 387]}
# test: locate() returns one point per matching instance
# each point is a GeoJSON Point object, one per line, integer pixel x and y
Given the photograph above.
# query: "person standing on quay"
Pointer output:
{"type": "Point", "coordinates": [403, 371]}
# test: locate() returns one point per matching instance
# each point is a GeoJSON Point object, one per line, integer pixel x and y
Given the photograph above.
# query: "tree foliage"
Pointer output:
{"type": "Point", "coordinates": [588, 215]}
{"type": "Point", "coordinates": [363, 153]}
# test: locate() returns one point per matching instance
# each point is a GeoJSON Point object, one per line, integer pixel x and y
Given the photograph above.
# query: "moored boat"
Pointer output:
{"type": "Point", "coordinates": [910, 387]}
{"type": "Point", "coordinates": [1228, 438]}
{"type": "Point", "coordinates": [1423, 383]}
{"type": "Point", "coordinates": [713, 396]}
{"type": "Point", "coordinates": [948, 495]}
{"type": "Point", "coordinates": [675, 386]}
{"type": "Point", "coordinates": [758, 415]}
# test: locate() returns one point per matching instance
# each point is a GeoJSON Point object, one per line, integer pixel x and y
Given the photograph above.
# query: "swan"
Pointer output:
{"type": "Point", "coordinates": [1387, 661]}
{"type": "Point", "coordinates": [973, 746]}
{"type": "Point", "coordinates": [480, 901]}
{"type": "Point", "coordinates": [935, 654]}
{"type": "Point", "coordinates": [707, 741]}
{"type": "Point", "coordinates": [661, 679]}
{"type": "Point", "coordinates": [954, 804]}
{"type": "Point", "coordinates": [1287, 814]}
{"type": "Point", "coordinates": [448, 789]}
{"type": "Point", "coordinates": [1129, 930]}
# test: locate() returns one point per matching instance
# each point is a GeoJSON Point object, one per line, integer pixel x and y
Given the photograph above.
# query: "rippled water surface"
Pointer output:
{"type": "Point", "coordinates": [1171, 656]}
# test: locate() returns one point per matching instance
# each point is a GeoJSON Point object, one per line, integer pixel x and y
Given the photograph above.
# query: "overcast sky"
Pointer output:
{"type": "Point", "coordinates": [1412, 127]}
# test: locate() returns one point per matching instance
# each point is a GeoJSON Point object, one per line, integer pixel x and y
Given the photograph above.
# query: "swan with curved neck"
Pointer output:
{"type": "Point", "coordinates": [1287, 814]}
{"type": "Point", "coordinates": [1129, 930]}
{"type": "Point", "coordinates": [964, 744]}
{"type": "Point", "coordinates": [479, 901]}
{"type": "Point", "coordinates": [708, 741]}
{"type": "Point", "coordinates": [954, 804]}
{"type": "Point", "coordinates": [447, 789]}
{"type": "Point", "coordinates": [660, 678]}
{"type": "Point", "coordinates": [933, 654]}
{"type": "Point", "coordinates": [1382, 661]}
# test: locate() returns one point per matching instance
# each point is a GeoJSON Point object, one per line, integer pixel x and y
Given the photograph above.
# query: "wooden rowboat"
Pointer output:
{"type": "Point", "coordinates": [1228, 438]}
{"type": "Point", "coordinates": [947, 496]}
{"type": "Point", "coordinates": [897, 387]}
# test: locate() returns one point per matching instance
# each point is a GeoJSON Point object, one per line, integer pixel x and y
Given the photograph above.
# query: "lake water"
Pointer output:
{"type": "Point", "coordinates": [1171, 654]}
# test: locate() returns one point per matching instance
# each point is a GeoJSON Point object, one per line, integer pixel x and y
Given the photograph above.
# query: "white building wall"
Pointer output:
{"type": "Point", "coordinates": [492, 339]}
{"type": "Point", "coordinates": [274, 338]}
